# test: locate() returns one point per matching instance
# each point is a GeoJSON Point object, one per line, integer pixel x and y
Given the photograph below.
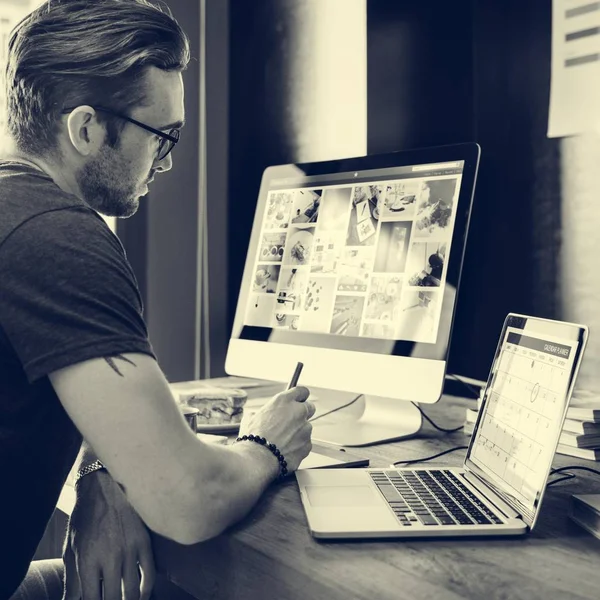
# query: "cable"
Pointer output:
{"type": "Point", "coordinates": [336, 409]}
{"type": "Point", "coordinates": [568, 476]}
{"type": "Point", "coordinates": [574, 467]}
{"type": "Point", "coordinates": [409, 462]}
{"type": "Point", "coordinates": [416, 405]}
{"type": "Point", "coordinates": [436, 426]}
{"type": "Point", "coordinates": [470, 387]}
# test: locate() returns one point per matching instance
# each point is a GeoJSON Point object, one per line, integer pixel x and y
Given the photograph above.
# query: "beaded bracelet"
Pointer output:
{"type": "Point", "coordinates": [272, 447]}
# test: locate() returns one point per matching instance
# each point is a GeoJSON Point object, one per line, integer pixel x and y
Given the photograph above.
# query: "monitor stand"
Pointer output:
{"type": "Point", "coordinates": [381, 420]}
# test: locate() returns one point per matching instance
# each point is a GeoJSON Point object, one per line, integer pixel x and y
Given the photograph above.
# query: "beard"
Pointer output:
{"type": "Point", "coordinates": [106, 186]}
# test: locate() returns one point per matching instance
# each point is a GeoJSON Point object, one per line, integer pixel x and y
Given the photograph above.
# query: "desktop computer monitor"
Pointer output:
{"type": "Point", "coordinates": [352, 269]}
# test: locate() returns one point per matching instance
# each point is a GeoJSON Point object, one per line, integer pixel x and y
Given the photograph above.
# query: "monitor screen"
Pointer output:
{"type": "Point", "coordinates": [358, 260]}
{"type": "Point", "coordinates": [363, 260]}
{"type": "Point", "coordinates": [352, 262]}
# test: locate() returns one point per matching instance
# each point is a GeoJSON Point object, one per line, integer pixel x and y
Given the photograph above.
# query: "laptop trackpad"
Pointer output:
{"type": "Point", "coordinates": [342, 496]}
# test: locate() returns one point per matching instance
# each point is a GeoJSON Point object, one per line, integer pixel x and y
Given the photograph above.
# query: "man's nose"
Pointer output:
{"type": "Point", "coordinates": [166, 164]}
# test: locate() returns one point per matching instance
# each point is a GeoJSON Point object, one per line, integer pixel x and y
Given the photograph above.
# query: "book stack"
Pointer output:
{"type": "Point", "coordinates": [585, 511]}
{"type": "Point", "coordinates": [580, 436]}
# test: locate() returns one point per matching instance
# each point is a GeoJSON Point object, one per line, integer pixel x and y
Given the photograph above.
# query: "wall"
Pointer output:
{"type": "Point", "coordinates": [420, 80]}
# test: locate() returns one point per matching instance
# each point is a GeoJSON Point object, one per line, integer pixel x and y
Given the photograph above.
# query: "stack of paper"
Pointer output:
{"type": "Point", "coordinates": [581, 430]}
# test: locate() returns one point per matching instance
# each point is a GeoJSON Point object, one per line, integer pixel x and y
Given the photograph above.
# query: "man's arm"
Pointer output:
{"type": "Point", "coordinates": [182, 489]}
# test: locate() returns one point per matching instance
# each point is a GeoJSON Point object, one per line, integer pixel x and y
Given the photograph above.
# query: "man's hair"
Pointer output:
{"type": "Point", "coordinates": [69, 53]}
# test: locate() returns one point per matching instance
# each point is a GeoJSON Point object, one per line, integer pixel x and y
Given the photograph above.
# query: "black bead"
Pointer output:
{"type": "Point", "coordinates": [272, 447]}
{"type": "Point", "coordinates": [277, 453]}
{"type": "Point", "coordinates": [251, 437]}
{"type": "Point", "coordinates": [284, 464]}
{"type": "Point", "coordinates": [262, 441]}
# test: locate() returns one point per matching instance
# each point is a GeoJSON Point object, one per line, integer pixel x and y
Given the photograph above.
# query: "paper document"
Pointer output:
{"type": "Point", "coordinates": [210, 438]}
{"type": "Point", "coordinates": [575, 85]}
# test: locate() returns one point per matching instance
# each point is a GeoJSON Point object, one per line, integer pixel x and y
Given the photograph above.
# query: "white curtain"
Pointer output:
{"type": "Point", "coordinates": [329, 79]}
{"type": "Point", "coordinates": [580, 277]}
{"type": "Point", "coordinates": [202, 349]}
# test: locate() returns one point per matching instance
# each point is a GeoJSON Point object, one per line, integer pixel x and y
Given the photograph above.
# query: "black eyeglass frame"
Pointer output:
{"type": "Point", "coordinates": [165, 136]}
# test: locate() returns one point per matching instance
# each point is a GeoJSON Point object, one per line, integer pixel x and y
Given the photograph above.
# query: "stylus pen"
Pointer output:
{"type": "Point", "coordinates": [295, 376]}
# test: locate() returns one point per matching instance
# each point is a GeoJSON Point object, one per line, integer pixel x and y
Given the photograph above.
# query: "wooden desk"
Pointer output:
{"type": "Point", "coordinates": [272, 556]}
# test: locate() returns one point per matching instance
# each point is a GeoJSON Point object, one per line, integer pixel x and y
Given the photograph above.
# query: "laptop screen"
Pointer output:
{"type": "Point", "coordinates": [523, 410]}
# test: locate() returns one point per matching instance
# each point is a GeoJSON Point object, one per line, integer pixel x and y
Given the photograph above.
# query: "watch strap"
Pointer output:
{"type": "Point", "coordinates": [95, 466]}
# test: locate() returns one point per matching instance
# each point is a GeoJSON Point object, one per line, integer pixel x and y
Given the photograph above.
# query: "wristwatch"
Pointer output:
{"type": "Point", "coordinates": [95, 466]}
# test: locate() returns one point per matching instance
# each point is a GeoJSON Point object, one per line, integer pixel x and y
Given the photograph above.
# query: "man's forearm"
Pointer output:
{"type": "Point", "coordinates": [254, 470]}
{"type": "Point", "coordinates": [239, 476]}
{"type": "Point", "coordinates": [86, 455]}
{"type": "Point", "coordinates": [215, 500]}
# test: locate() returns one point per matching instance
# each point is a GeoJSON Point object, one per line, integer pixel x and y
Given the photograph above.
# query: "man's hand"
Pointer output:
{"type": "Point", "coordinates": [106, 541]}
{"type": "Point", "coordinates": [284, 422]}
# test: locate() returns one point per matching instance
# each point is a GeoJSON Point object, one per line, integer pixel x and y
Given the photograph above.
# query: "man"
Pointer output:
{"type": "Point", "coordinates": [95, 104]}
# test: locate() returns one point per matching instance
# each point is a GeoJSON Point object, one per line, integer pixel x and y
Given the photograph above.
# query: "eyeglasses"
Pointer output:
{"type": "Point", "coordinates": [167, 140]}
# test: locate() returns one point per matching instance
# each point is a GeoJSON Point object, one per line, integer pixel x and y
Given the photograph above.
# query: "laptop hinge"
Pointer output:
{"type": "Point", "coordinates": [484, 489]}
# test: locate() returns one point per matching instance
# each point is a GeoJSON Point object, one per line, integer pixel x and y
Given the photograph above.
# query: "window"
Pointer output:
{"type": "Point", "coordinates": [11, 12]}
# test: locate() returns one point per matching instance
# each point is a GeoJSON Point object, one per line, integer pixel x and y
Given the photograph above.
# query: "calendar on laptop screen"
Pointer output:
{"type": "Point", "coordinates": [521, 419]}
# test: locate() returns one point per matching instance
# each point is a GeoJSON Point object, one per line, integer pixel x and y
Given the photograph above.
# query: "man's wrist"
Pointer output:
{"type": "Point", "coordinates": [88, 462]}
{"type": "Point", "coordinates": [271, 447]}
{"type": "Point", "coordinates": [263, 456]}
{"type": "Point", "coordinates": [86, 455]}
{"type": "Point", "coordinates": [92, 467]}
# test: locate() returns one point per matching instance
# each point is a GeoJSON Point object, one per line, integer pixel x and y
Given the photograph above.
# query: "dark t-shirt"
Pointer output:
{"type": "Point", "coordinates": [67, 294]}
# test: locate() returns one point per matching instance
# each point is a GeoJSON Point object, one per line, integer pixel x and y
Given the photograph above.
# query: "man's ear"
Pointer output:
{"type": "Point", "coordinates": [85, 133]}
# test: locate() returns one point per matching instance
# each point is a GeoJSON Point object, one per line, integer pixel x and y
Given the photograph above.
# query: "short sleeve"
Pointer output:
{"type": "Point", "coordinates": [68, 293]}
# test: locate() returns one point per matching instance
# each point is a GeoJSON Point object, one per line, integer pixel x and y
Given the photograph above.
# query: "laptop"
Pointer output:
{"type": "Point", "coordinates": [500, 486]}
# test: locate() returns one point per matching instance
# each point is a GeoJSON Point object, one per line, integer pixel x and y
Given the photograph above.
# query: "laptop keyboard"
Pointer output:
{"type": "Point", "coordinates": [431, 498]}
